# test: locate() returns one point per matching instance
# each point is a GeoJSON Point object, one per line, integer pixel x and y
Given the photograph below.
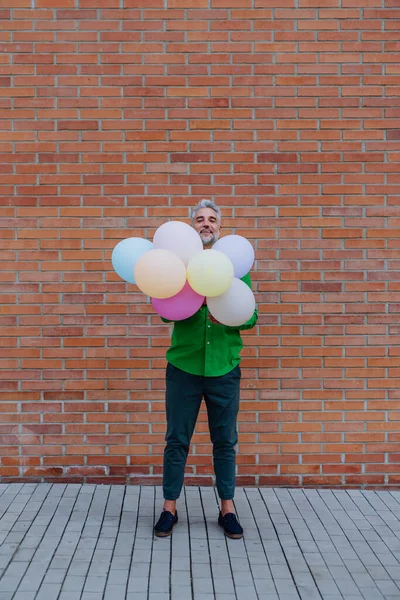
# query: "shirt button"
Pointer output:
{"type": "Point", "coordinates": [208, 342]}
{"type": "Point", "coordinates": [208, 326]}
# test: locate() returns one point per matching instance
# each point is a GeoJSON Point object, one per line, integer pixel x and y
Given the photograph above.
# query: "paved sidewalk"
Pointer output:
{"type": "Point", "coordinates": [73, 542]}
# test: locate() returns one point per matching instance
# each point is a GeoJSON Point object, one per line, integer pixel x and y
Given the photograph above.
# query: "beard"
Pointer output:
{"type": "Point", "coordinates": [208, 238]}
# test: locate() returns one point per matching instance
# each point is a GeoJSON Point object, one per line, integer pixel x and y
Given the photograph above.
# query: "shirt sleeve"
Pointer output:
{"type": "Point", "coordinates": [166, 320]}
{"type": "Point", "coordinates": [253, 319]}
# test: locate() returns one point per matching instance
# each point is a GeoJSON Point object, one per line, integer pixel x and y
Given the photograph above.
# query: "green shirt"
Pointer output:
{"type": "Point", "coordinates": [201, 347]}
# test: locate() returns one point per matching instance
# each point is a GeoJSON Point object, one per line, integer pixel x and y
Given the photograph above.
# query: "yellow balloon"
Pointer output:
{"type": "Point", "coordinates": [210, 273]}
{"type": "Point", "coordinates": [160, 273]}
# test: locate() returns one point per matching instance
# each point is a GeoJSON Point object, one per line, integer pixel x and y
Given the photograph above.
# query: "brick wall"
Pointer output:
{"type": "Point", "coordinates": [119, 114]}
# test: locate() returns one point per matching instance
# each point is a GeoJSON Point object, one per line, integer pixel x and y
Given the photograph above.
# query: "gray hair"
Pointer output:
{"type": "Point", "coordinates": [207, 204]}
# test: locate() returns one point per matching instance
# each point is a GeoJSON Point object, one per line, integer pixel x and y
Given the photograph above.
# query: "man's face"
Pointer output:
{"type": "Point", "coordinates": [206, 225]}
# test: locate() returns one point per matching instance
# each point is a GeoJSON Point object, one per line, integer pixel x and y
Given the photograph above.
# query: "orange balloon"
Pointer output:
{"type": "Point", "coordinates": [160, 274]}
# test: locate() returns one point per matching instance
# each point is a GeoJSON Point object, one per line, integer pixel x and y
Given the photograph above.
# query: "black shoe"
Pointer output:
{"type": "Point", "coordinates": [230, 525]}
{"type": "Point", "coordinates": [165, 523]}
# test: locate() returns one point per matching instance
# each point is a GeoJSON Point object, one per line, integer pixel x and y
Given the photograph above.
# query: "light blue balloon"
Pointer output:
{"type": "Point", "coordinates": [126, 254]}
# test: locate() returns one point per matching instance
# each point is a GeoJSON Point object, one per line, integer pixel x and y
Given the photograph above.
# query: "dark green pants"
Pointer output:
{"type": "Point", "coordinates": [184, 394]}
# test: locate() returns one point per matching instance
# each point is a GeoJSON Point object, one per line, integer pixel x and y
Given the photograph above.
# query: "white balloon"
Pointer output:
{"type": "Point", "coordinates": [179, 238]}
{"type": "Point", "coordinates": [235, 306]}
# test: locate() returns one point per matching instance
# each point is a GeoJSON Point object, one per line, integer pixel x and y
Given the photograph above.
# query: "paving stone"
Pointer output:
{"type": "Point", "coordinates": [73, 583]}
{"type": "Point", "coordinates": [180, 578]}
{"type": "Point", "coordinates": [285, 586]}
{"type": "Point", "coordinates": [90, 596]}
{"type": "Point", "coordinates": [78, 568]}
{"type": "Point", "coordinates": [265, 586]}
{"type": "Point", "coordinates": [181, 592]}
{"type": "Point", "coordinates": [371, 594]}
{"type": "Point", "coordinates": [48, 591]}
{"type": "Point", "coordinates": [120, 562]}
{"type": "Point", "coordinates": [54, 576]}
{"type": "Point", "coordinates": [138, 584]}
{"type": "Point", "coordinates": [7, 585]}
{"type": "Point", "coordinates": [388, 588]}
{"type": "Point", "coordinates": [224, 586]}
{"type": "Point", "coordinates": [95, 584]}
{"type": "Point", "coordinates": [242, 578]}
{"type": "Point", "coordinates": [115, 592]}
{"type": "Point", "coordinates": [202, 586]}
{"type": "Point", "coordinates": [139, 570]}
{"type": "Point", "coordinates": [158, 584]}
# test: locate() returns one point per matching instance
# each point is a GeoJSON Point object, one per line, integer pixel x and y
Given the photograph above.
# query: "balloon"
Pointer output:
{"type": "Point", "coordinates": [182, 306]}
{"type": "Point", "coordinates": [210, 273]}
{"type": "Point", "coordinates": [160, 274]}
{"type": "Point", "coordinates": [125, 255]}
{"type": "Point", "coordinates": [239, 250]}
{"type": "Point", "coordinates": [235, 306]}
{"type": "Point", "coordinates": [179, 238]}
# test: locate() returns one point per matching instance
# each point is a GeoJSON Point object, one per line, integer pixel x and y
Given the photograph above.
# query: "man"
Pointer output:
{"type": "Point", "coordinates": [203, 361]}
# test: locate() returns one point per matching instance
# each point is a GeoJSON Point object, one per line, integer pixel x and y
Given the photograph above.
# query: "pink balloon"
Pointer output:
{"type": "Point", "coordinates": [181, 306]}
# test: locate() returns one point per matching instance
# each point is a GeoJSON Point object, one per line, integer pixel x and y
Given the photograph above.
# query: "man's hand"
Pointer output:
{"type": "Point", "coordinates": [212, 319]}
